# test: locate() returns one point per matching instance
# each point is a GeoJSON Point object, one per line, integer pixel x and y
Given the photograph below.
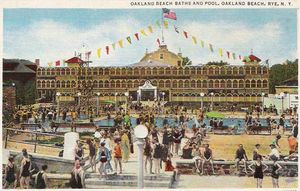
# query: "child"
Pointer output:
{"type": "Point", "coordinates": [169, 166]}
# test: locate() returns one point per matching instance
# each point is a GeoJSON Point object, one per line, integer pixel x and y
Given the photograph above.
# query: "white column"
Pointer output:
{"type": "Point", "coordinates": [140, 144]}
{"type": "Point", "coordinates": [155, 93]}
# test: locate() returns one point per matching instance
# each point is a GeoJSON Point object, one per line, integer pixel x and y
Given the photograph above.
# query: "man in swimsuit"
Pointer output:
{"type": "Point", "coordinates": [240, 155]}
{"type": "Point", "coordinates": [207, 157]}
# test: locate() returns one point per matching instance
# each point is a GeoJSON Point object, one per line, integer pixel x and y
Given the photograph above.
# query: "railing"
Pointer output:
{"type": "Point", "coordinates": [10, 132]}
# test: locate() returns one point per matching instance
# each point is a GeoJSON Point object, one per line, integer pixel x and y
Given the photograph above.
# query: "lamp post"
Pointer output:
{"type": "Point", "coordinates": [79, 94]}
{"type": "Point", "coordinates": [202, 95]}
{"type": "Point", "coordinates": [98, 95]}
{"type": "Point", "coordinates": [212, 101]}
{"type": "Point", "coordinates": [116, 101]}
{"type": "Point", "coordinates": [163, 101]}
{"type": "Point", "coordinates": [282, 97]}
{"type": "Point", "coordinates": [140, 133]}
{"type": "Point", "coordinates": [262, 102]}
{"type": "Point", "coordinates": [126, 97]}
{"type": "Point", "coordinates": [57, 98]}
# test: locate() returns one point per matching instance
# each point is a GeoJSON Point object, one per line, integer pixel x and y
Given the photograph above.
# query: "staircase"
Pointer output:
{"type": "Point", "coordinates": [127, 181]}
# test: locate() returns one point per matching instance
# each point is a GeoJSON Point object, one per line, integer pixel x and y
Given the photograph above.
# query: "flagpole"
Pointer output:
{"type": "Point", "coordinates": [162, 26]}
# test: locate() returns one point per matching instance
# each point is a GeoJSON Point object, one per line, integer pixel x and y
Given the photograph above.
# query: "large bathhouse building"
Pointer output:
{"type": "Point", "coordinates": [158, 75]}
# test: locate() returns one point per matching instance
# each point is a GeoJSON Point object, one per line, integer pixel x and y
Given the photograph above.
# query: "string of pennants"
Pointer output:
{"type": "Point", "coordinates": [212, 48]}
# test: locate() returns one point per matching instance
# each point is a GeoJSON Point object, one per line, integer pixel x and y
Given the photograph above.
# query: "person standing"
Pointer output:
{"type": "Point", "coordinates": [41, 180]}
{"type": "Point", "coordinates": [118, 156]}
{"type": "Point", "coordinates": [292, 141]}
{"type": "Point", "coordinates": [78, 151]}
{"type": "Point", "coordinates": [148, 155]}
{"type": "Point", "coordinates": [10, 174]}
{"type": "Point", "coordinates": [275, 175]}
{"type": "Point", "coordinates": [25, 172]}
{"type": "Point", "coordinates": [125, 146]}
{"type": "Point", "coordinates": [103, 156]}
{"type": "Point", "coordinates": [157, 154]}
{"type": "Point", "coordinates": [258, 171]}
{"type": "Point", "coordinates": [256, 152]}
{"type": "Point", "coordinates": [177, 140]}
{"type": "Point", "coordinates": [240, 155]}
{"type": "Point", "coordinates": [92, 154]}
{"type": "Point", "coordinates": [77, 176]}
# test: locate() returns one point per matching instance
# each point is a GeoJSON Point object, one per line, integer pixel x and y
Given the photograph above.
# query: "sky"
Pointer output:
{"type": "Point", "coordinates": [55, 34]}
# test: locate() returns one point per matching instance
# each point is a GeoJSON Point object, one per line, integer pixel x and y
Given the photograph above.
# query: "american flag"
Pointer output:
{"type": "Point", "coordinates": [167, 13]}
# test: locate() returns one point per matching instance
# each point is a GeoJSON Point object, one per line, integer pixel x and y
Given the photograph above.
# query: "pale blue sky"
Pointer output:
{"type": "Point", "coordinates": [53, 34]}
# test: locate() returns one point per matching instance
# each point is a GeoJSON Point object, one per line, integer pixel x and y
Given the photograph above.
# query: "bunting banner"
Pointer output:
{"type": "Point", "coordinates": [150, 29]}
{"type": "Point", "coordinates": [211, 48]}
{"type": "Point", "coordinates": [128, 39]}
{"type": "Point", "coordinates": [121, 43]}
{"type": "Point", "coordinates": [166, 24]}
{"type": "Point", "coordinates": [194, 40]}
{"type": "Point", "coordinates": [99, 52]}
{"type": "Point", "coordinates": [158, 24]}
{"type": "Point", "coordinates": [228, 55]}
{"type": "Point", "coordinates": [143, 32]}
{"type": "Point", "coordinates": [113, 46]}
{"type": "Point", "coordinates": [202, 43]}
{"type": "Point", "coordinates": [57, 63]}
{"type": "Point", "coordinates": [240, 57]}
{"type": "Point", "coordinates": [185, 34]}
{"type": "Point", "coordinates": [220, 52]}
{"type": "Point", "coordinates": [107, 50]}
{"type": "Point", "coordinates": [137, 36]}
{"type": "Point", "coordinates": [87, 55]}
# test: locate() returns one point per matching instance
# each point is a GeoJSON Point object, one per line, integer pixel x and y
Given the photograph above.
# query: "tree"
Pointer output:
{"type": "Point", "coordinates": [186, 61]}
{"type": "Point", "coordinates": [281, 72]}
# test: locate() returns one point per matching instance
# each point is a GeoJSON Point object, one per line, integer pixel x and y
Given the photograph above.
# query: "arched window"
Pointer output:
{"type": "Point", "coordinates": [253, 70]}
{"type": "Point", "coordinates": [241, 83]}
{"type": "Point", "coordinates": [222, 84]}
{"type": "Point", "coordinates": [235, 70]}
{"type": "Point", "coordinates": [229, 70]}
{"type": "Point", "coordinates": [204, 84]}
{"type": "Point", "coordinates": [63, 84]}
{"type": "Point", "coordinates": [223, 71]}
{"type": "Point", "coordinates": [168, 84]}
{"type": "Point", "coordinates": [161, 84]}
{"type": "Point", "coordinates": [100, 84]}
{"type": "Point", "coordinates": [129, 84]}
{"type": "Point", "coordinates": [180, 84]}
{"type": "Point", "coordinates": [253, 84]}
{"type": "Point", "coordinates": [229, 85]}
{"type": "Point", "coordinates": [247, 83]}
{"type": "Point", "coordinates": [174, 84]}
{"type": "Point", "coordinates": [259, 84]}
{"type": "Point", "coordinates": [193, 84]}
{"type": "Point", "coordinates": [235, 84]}
{"type": "Point", "coordinates": [154, 71]}
{"type": "Point", "coordinates": [210, 84]}
{"type": "Point", "coordinates": [217, 84]}
{"type": "Point", "coordinates": [186, 84]}
{"type": "Point", "coordinates": [265, 83]}
{"type": "Point", "coordinates": [58, 84]}
{"type": "Point", "coordinates": [199, 84]}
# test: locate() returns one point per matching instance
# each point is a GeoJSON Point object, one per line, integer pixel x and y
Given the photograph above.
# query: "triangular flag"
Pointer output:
{"type": "Point", "coordinates": [57, 63]}
{"type": "Point", "coordinates": [107, 50]}
{"type": "Point", "coordinates": [158, 24]}
{"type": "Point", "coordinates": [129, 39]}
{"type": "Point", "coordinates": [185, 34]}
{"type": "Point", "coordinates": [233, 56]}
{"type": "Point", "coordinates": [99, 52]}
{"type": "Point", "coordinates": [50, 64]}
{"type": "Point", "coordinates": [240, 57]}
{"type": "Point", "coordinates": [228, 55]}
{"type": "Point", "coordinates": [211, 48]}
{"type": "Point", "coordinates": [194, 40]}
{"type": "Point", "coordinates": [158, 41]}
{"type": "Point", "coordinates": [120, 43]}
{"type": "Point", "coordinates": [166, 24]}
{"type": "Point", "coordinates": [113, 45]}
{"type": "Point", "coordinates": [220, 52]}
{"type": "Point", "coordinates": [137, 36]}
{"type": "Point", "coordinates": [143, 32]}
{"type": "Point", "coordinates": [150, 29]}
{"type": "Point", "coordinates": [176, 29]}
{"type": "Point", "coordinates": [202, 43]}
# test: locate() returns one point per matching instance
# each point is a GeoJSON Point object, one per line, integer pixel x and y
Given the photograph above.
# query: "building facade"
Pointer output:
{"type": "Point", "coordinates": [172, 82]}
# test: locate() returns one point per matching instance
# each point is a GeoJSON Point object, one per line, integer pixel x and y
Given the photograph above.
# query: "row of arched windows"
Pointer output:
{"type": "Point", "coordinates": [249, 83]}
{"type": "Point", "coordinates": [206, 70]}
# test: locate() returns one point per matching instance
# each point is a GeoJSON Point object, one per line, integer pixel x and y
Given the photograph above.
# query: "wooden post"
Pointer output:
{"type": "Point", "coordinates": [6, 138]}
{"type": "Point", "coordinates": [35, 143]}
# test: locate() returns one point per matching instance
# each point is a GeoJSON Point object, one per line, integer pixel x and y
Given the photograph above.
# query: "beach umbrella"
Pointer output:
{"type": "Point", "coordinates": [214, 114]}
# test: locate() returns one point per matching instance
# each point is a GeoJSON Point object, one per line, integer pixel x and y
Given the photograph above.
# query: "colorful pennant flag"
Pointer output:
{"type": "Point", "coordinates": [240, 57]}
{"type": "Point", "coordinates": [220, 52]}
{"type": "Point", "coordinates": [166, 24]}
{"type": "Point", "coordinates": [128, 39]}
{"type": "Point", "coordinates": [50, 64]}
{"type": "Point", "coordinates": [121, 43]}
{"type": "Point", "coordinates": [150, 29]}
{"type": "Point", "coordinates": [158, 24]}
{"type": "Point", "coordinates": [107, 50]}
{"type": "Point", "coordinates": [143, 32]}
{"type": "Point", "coordinates": [57, 63]}
{"type": "Point", "coordinates": [176, 29]}
{"type": "Point", "coordinates": [137, 36]}
{"type": "Point", "coordinates": [185, 34]}
{"type": "Point", "coordinates": [194, 40]}
{"type": "Point", "coordinates": [113, 46]}
{"type": "Point", "coordinates": [233, 56]}
{"type": "Point", "coordinates": [99, 52]}
{"type": "Point", "coordinates": [167, 13]}
{"type": "Point", "coordinates": [211, 48]}
{"type": "Point", "coordinates": [158, 41]}
{"type": "Point", "coordinates": [202, 43]}
{"type": "Point", "coordinates": [87, 55]}
{"type": "Point", "coordinates": [228, 55]}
